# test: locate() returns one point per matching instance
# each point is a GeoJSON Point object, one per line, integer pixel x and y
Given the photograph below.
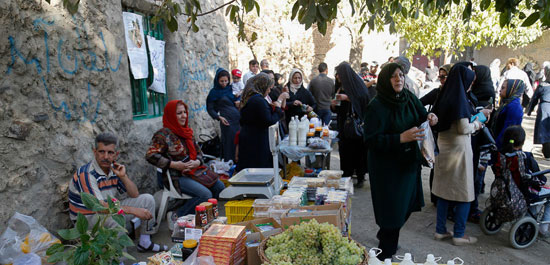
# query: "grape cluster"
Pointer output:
{"type": "Point", "coordinates": [312, 243]}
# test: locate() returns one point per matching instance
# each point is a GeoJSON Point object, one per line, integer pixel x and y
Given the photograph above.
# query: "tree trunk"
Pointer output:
{"type": "Point", "coordinates": [356, 52]}
{"type": "Point", "coordinates": [321, 45]}
{"type": "Point", "coordinates": [447, 57]}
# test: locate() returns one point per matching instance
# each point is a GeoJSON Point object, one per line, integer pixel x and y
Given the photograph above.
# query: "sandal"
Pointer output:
{"type": "Point", "coordinates": [142, 249]}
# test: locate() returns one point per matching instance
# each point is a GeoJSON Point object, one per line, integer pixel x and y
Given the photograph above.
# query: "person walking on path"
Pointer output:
{"type": "Point", "coordinates": [453, 173]}
{"type": "Point", "coordinates": [391, 133]}
{"type": "Point", "coordinates": [322, 89]}
{"type": "Point", "coordinates": [542, 122]}
{"type": "Point", "coordinates": [353, 98]}
{"type": "Point", "coordinates": [256, 117]}
{"type": "Point", "coordinates": [221, 106]}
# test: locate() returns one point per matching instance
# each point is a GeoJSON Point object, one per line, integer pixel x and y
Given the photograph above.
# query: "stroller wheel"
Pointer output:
{"type": "Point", "coordinates": [489, 223]}
{"type": "Point", "coordinates": [524, 232]}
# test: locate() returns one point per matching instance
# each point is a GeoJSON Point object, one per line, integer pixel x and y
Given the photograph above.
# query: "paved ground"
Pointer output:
{"type": "Point", "coordinates": [417, 234]}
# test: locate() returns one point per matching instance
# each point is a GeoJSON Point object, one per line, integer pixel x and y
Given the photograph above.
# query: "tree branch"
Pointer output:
{"type": "Point", "coordinates": [215, 9]}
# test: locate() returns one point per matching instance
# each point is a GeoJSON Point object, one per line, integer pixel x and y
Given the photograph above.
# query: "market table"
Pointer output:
{"type": "Point", "coordinates": [295, 153]}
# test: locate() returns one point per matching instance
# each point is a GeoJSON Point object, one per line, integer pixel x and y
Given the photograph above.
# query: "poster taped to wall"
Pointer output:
{"type": "Point", "coordinates": [135, 44]}
{"type": "Point", "coordinates": [156, 53]}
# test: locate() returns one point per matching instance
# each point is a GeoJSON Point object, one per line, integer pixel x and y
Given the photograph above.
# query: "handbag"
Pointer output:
{"type": "Point", "coordinates": [353, 126]}
{"type": "Point", "coordinates": [205, 176]}
{"type": "Point", "coordinates": [210, 145]}
{"type": "Point", "coordinates": [506, 199]}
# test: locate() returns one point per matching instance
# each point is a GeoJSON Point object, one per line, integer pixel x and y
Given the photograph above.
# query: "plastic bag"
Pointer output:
{"type": "Point", "coordinates": [427, 145]}
{"type": "Point", "coordinates": [318, 143]}
{"type": "Point", "coordinates": [194, 260]}
{"type": "Point", "coordinates": [221, 167]}
{"type": "Point", "coordinates": [24, 235]}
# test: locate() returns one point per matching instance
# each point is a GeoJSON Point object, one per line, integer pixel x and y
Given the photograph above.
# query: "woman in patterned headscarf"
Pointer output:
{"type": "Point", "coordinates": [510, 111]}
{"type": "Point", "coordinates": [256, 117]}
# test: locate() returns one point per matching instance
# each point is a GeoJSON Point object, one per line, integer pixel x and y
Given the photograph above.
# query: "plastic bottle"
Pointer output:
{"type": "Point", "coordinates": [201, 218]}
{"type": "Point", "coordinates": [214, 207]}
{"type": "Point", "coordinates": [407, 260]}
{"type": "Point", "coordinates": [387, 262]}
{"type": "Point", "coordinates": [316, 122]}
{"type": "Point", "coordinates": [452, 262]}
{"type": "Point", "coordinates": [293, 132]}
{"type": "Point", "coordinates": [373, 260]}
{"type": "Point", "coordinates": [303, 129]}
{"type": "Point", "coordinates": [430, 260]}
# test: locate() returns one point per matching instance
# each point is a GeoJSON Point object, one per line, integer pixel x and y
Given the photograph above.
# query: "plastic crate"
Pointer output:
{"type": "Point", "coordinates": [239, 211]}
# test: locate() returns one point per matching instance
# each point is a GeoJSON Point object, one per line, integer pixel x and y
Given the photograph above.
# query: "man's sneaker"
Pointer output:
{"type": "Point", "coordinates": [171, 218]}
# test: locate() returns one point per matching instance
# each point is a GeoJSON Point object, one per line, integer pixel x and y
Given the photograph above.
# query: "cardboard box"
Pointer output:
{"type": "Point", "coordinates": [252, 256]}
{"type": "Point", "coordinates": [332, 214]}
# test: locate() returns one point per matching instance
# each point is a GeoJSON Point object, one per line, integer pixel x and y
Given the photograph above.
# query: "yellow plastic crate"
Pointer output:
{"type": "Point", "coordinates": [239, 211]}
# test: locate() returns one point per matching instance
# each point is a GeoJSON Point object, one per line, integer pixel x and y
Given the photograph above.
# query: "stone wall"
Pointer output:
{"type": "Point", "coordinates": [537, 52]}
{"type": "Point", "coordinates": [65, 79]}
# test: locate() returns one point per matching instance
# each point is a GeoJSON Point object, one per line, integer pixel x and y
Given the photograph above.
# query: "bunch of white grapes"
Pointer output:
{"type": "Point", "coordinates": [312, 243]}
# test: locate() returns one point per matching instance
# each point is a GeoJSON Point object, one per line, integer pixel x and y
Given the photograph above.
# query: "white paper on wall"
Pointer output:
{"type": "Point", "coordinates": [156, 53]}
{"type": "Point", "coordinates": [135, 44]}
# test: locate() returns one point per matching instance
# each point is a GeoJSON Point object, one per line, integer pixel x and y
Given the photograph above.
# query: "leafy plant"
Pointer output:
{"type": "Point", "coordinates": [100, 245]}
{"type": "Point", "coordinates": [374, 13]}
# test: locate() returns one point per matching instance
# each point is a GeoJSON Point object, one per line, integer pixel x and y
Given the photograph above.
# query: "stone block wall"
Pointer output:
{"type": "Point", "coordinates": [64, 79]}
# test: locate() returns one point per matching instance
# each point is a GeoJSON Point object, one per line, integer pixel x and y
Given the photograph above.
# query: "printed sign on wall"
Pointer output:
{"type": "Point", "coordinates": [156, 53]}
{"type": "Point", "coordinates": [135, 44]}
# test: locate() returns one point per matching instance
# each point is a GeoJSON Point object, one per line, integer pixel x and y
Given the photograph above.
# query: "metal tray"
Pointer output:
{"type": "Point", "coordinates": [253, 176]}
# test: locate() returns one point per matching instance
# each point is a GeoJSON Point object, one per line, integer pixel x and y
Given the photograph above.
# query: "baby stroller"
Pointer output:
{"type": "Point", "coordinates": [525, 214]}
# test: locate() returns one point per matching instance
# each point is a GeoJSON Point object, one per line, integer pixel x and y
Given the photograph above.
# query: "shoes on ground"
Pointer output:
{"type": "Point", "coordinates": [438, 236]}
{"type": "Point", "coordinates": [474, 217]}
{"type": "Point", "coordinates": [465, 240]}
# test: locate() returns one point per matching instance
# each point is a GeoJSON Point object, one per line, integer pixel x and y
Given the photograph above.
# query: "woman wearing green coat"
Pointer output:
{"type": "Point", "coordinates": [391, 133]}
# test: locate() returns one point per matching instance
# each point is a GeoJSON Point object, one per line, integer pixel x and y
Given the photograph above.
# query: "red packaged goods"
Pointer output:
{"type": "Point", "coordinates": [225, 243]}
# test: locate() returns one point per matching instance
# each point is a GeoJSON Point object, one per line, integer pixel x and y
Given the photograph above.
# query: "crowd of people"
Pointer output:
{"type": "Point", "coordinates": [378, 117]}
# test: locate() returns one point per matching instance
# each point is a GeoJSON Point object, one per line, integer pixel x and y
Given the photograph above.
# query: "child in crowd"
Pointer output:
{"type": "Point", "coordinates": [531, 187]}
{"type": "Point", "coordinates": [237, 85]}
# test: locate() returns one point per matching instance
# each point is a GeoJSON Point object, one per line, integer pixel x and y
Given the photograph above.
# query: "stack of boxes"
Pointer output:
{"type": "Point", "coordinates": [226, 243]}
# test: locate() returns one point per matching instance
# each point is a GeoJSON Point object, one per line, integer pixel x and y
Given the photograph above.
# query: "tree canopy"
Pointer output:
{"type": "Point", "coordinates": [452, 34]}
{"type": "Point", "coordinates": [430, 26]}
{"type": "Point", "coordinates": [512, 13]}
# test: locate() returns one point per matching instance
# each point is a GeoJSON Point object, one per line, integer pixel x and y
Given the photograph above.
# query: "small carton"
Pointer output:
{"type": "Point", "coordinates": [332, 214]}
{"type": "Point", "coordinates": [256, 235]}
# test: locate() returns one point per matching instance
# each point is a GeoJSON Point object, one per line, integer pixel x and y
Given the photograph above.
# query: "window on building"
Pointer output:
{"type": "Point", "coordinates": [145, 102]}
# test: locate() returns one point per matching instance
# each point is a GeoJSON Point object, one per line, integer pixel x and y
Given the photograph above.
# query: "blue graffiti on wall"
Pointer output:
{"type": "Point", "coordinates": [77, 58]}
{"type": "Point", "coordinates": [197, 70]}
{"type": "Point", "coordinates": [196, 108]}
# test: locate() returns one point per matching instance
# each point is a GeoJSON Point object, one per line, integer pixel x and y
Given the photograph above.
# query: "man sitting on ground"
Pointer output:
{"type": "Point", "coordinates": [103, 178]}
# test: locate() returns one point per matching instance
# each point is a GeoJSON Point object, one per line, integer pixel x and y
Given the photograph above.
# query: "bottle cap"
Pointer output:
{"type": "Point", "coordinates": [213, 201]}
{"type": "Point", "coordinates": [407, 256]}
{"type": "Point", "coordinates": [200, 208]}
{"type": "Point", "coordinates": [430, 257]}
{"type": "Point", "coordinates": [190, 243]}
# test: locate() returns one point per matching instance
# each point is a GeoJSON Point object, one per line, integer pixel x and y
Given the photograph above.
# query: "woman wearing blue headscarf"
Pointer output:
{"type": "Point", "coordinates": [220, 105]}
{"type": "Point", "coordinates": [510, 111]}
{"type": "Point", "coordinates": [453, 170]}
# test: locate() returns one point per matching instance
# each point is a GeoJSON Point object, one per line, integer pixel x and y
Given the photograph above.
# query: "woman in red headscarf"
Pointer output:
{"type": "Point", "coordinates": [174, 149]}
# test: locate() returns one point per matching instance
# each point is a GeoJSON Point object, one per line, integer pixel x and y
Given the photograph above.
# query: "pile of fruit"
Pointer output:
{"type": "Point", "coordinates": [312, 243]}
